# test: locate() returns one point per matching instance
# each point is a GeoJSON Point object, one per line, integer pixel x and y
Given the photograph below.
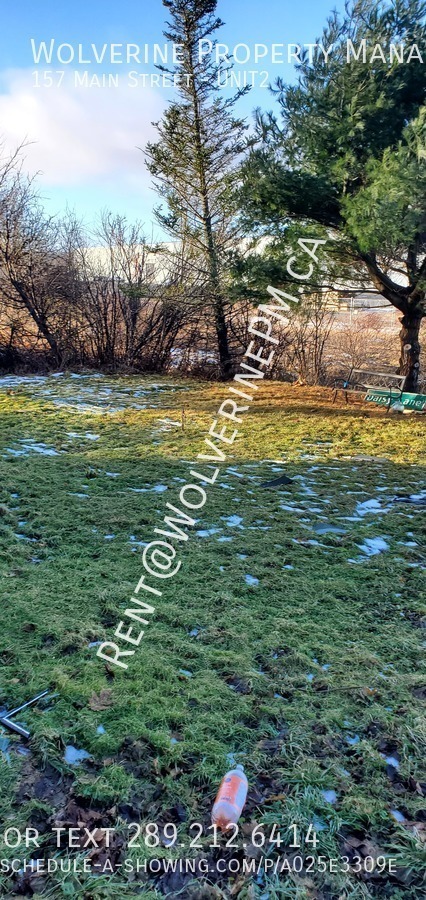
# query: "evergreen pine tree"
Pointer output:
{"type": "Point", "coordinates": [194, 162]}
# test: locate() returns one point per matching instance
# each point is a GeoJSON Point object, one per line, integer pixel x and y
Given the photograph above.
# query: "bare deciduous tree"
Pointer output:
{"type": "Point", "coordinates": [307, 337]}
{"type": "Point", "coordinates": [32, 272]}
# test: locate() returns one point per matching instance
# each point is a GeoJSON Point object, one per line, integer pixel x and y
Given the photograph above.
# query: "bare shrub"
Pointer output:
{"type": "Point", "coordinates": [365, 340]}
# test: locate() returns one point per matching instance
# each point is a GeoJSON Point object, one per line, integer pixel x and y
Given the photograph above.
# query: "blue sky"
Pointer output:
{"type": "Point", "coordinates": [83, 141]}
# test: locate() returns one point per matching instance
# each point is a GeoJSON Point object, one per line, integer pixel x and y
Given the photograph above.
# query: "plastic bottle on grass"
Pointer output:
{"type": "Point", "coordinates": [230, 798]}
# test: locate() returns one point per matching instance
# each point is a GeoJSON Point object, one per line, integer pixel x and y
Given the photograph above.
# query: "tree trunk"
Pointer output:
{"type": "Point", "coordinates": [40, 320]}
{"type": "Point", "coordinates": [409, 361]}
{"type": "Point", "coordinates": [225, 360]}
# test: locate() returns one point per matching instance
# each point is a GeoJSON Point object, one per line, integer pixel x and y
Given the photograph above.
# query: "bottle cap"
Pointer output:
{"type": "Point", "coordinates": [240, 767]}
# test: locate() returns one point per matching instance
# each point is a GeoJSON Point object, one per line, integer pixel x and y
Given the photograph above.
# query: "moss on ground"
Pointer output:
{"type": "Point", "coordinates": [311, 678]}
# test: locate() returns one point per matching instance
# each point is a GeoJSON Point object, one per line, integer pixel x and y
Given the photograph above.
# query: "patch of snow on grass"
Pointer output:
{"type": "Point", "coordinates": [233, 521]}
{"type": "Point", "coordinates": [74, 757]}
{"type": "Point", "coordinates": [206, 532]}
{"type": "Point", "coordinates": [31, 446]}
{"type": "Point", "coordinates": [373, 546]}
{"type": "Point", "coordinates": [370, 506]}
{"type": "Point", "coordinates": [251, 580]}
{"type": "Point", "coordinates": [329, 796]}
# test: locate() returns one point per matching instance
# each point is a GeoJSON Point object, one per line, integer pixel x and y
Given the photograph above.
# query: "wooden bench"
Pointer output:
{"type": "Point", "coordinates": [384, 388]}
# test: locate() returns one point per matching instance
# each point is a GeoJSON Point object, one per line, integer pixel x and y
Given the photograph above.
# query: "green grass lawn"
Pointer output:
{"type": "Point", "coordinates": [309, 672]}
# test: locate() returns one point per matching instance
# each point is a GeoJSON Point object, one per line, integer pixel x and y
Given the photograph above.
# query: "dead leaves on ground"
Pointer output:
{"type": "Point", "coordinates": [101, 701]}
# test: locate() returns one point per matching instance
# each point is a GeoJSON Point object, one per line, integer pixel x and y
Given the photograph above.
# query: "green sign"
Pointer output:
{"type": "Point", "coordinates": [387, 398]}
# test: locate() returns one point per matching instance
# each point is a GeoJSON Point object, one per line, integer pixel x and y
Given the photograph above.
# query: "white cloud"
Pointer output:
{"type": "Point", "coordinates": [79, 136]}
